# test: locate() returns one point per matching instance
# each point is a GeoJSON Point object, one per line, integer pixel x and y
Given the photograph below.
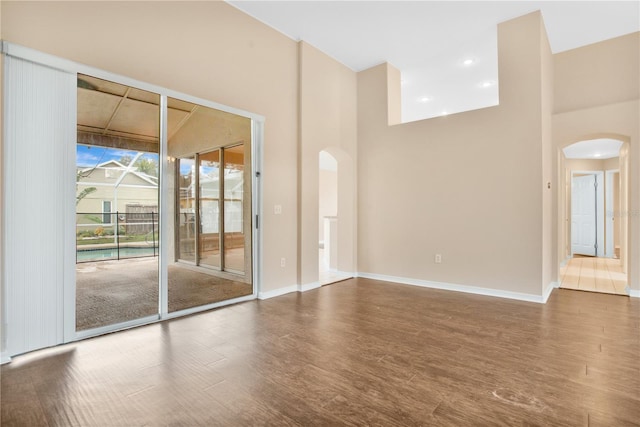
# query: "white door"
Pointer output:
{"type": "Point", "coordinates": [583, 215]}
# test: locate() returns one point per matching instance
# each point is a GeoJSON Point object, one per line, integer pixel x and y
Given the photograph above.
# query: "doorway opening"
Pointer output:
{"type": "Point", "coordinates": [208, 207]}
{"type": "Point", "coordinates": [336, 209]}
{"type": "Point", "coordinates": [210, 257]}
{"type": "Point", "coordinates": [594, 247]}
{"type": "Point", "coordinates": [328, 218]}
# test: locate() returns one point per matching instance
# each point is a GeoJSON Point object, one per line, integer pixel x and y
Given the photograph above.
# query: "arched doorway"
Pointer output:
{"type": "Point", "coordinates": [593, 232]}
{"type": "Point", "coordinates": [336, 211]}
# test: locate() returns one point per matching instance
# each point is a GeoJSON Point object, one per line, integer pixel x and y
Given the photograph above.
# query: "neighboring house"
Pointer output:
{"type": "Point", "coordinates": [118, 189]}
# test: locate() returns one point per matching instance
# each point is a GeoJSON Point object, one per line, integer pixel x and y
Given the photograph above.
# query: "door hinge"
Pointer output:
{"type": "Point", "coordinates": [257, 222]}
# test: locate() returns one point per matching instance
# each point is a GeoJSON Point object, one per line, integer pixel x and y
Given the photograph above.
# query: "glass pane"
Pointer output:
{"type": "Point", "coordinates": [187, 210]}
{"type": "Point", "coordinates": [201, 135]}
{"type": "Point", "coordinates": [116, 203]}
{"type": "Point", "coordinates": [233, 209]}
{"type": "Point", "coordinates": [209, 209]}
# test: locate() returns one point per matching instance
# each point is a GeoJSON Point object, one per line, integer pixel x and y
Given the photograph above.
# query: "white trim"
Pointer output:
{"type": "Point", "coordinates": [101, 330]}
{"type": "Point", "coordinates": [163, 210]}
{"type": "Point", "coordinates": [257, 219]}
{"type": "Point", "coordinates": [454, 287]}
{"type": "Point", "coordinates": [338, 276]}
{"type": "Point", "coordinates": [634, 293]}
{"type": "Point", "coordinates": [277, 292]}
{"type": "Point", "coordinates": [547, 292]}
{"type": "Point", "coordinates": [309, 286]}
{"type": "Point", "coordinates": [609, 212]}
{"type": "Point", "coordinates": [566, 261]}
{"type": "Point", "coordinates": [4, 358]}
{"type": "Point", "coordinates": [207, 307]}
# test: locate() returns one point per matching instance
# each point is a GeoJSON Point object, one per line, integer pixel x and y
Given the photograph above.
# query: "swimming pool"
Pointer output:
{"type": "Point", "coordinates": [84, 255]}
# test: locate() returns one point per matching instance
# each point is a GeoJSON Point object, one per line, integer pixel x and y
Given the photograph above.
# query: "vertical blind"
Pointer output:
{"type": "Point", "coordinates": [39, 143]}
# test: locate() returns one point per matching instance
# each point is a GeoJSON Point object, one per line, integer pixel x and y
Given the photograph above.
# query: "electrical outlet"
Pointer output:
{"type": "Point", "coordinates": [283, 262]}
{"type": "Point", "coordinates": [277, 209]}
{"type": "Point", "coordinates": [438, 259]}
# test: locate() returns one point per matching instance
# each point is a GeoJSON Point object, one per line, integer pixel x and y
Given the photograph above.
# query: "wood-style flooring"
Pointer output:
{"type": "Point", "coordinates": [359, 352]}
{"type": "Point", "coordinates": [594, 274]}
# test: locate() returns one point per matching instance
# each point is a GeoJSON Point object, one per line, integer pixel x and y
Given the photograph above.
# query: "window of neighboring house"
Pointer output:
{"type": "Point", "coordinates": [106, 211]}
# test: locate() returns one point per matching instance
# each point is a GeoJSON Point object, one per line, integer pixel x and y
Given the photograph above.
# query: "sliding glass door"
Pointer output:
{"type": "Point", "coordinates": [209, 210]}
{"type": "Point", "coordinates": [117, 216]}
{"type": "Point", "coordinates": [234, 213]}
{"type": "Point", "coordinates": [211, 261]}
{"type": "Point", "coordinates": [185, 211]}
{"type": "Point", "coordinates": [150, 198]}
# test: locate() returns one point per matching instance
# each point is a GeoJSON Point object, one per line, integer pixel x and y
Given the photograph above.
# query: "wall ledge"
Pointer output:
{"type": "Point", "coordinates": [540, 299]}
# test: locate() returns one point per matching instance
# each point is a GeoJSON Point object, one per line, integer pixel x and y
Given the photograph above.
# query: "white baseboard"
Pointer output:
{"type": "Point", "coordinates": [298, 288]}
{"type": "Point", "coordinates": [634, 293]}
{"type": "Point", "coordinates": [457, 288]}
{"type": "Point", "coordinates": [547, 292]}
{"type": "Point", "coordinates": [277, 292]}
{"type": "Point", "coordinates": [4, 358]}
{"type": "Point", "coordinates": [309, 286]}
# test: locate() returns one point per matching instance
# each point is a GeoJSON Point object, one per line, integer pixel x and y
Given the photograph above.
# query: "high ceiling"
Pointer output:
{"type": "Point", "coordinates": [446, 50]}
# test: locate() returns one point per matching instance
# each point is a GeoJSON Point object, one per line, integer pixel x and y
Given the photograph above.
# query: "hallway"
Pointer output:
{"type": "Point", "coordinates": [594, 274]}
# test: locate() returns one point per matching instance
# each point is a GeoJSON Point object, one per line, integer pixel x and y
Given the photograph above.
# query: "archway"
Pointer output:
{"type": "Point", "coordinates": [336, 216]}
{"type": "Point", "coordinates": [593, 232]}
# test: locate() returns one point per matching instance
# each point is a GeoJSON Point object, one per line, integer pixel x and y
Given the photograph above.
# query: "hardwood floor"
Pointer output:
{"type": "Point", "coordinates": [594, 274]}
{"type": "Point", "coordinates": [359, 352]}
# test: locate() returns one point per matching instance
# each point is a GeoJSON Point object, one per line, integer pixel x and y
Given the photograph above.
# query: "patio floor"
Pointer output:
{"type": "Point", "coordinates": [109, 292]}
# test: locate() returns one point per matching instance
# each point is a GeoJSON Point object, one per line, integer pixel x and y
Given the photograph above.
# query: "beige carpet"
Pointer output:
{"type": "Point", "coordinates": [109, 292]}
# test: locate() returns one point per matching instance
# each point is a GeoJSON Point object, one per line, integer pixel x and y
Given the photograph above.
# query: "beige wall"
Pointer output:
{"type": "Point", "coordinates": [468, 186]}
{"type": "Point", "coordinates": [599, 74]}
{"type": "Point", "coordinates": [206, 49]}
{"type": "Point", "coordinates": [327, 122]}
{"type": "Point", "coordinates": [597, 96]}
{"type": "Point", "coordinates": [549, 185]}
{"type": "Point", "coordinates": [584, 165]}
{"type": "Point", "coordinates": [612, 163]}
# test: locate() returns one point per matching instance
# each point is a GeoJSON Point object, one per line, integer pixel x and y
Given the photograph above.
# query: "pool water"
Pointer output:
{"type": "Point", "coordinates": [83, 255]}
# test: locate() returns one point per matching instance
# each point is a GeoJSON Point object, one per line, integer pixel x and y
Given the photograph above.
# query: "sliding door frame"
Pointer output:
{"type": "Point", "coordinates": [67, 314]}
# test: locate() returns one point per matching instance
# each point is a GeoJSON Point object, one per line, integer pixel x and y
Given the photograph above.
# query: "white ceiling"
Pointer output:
{"type": "Point", "coordinates": [429, 40]}
{"type": "Point", "coordinates": [593, 149]}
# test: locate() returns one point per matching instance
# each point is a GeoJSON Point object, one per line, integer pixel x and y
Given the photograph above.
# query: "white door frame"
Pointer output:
{"type": "Point", "coordinates": [610, 212]}
{"type": "Point", "coordinates": [600, 212]}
